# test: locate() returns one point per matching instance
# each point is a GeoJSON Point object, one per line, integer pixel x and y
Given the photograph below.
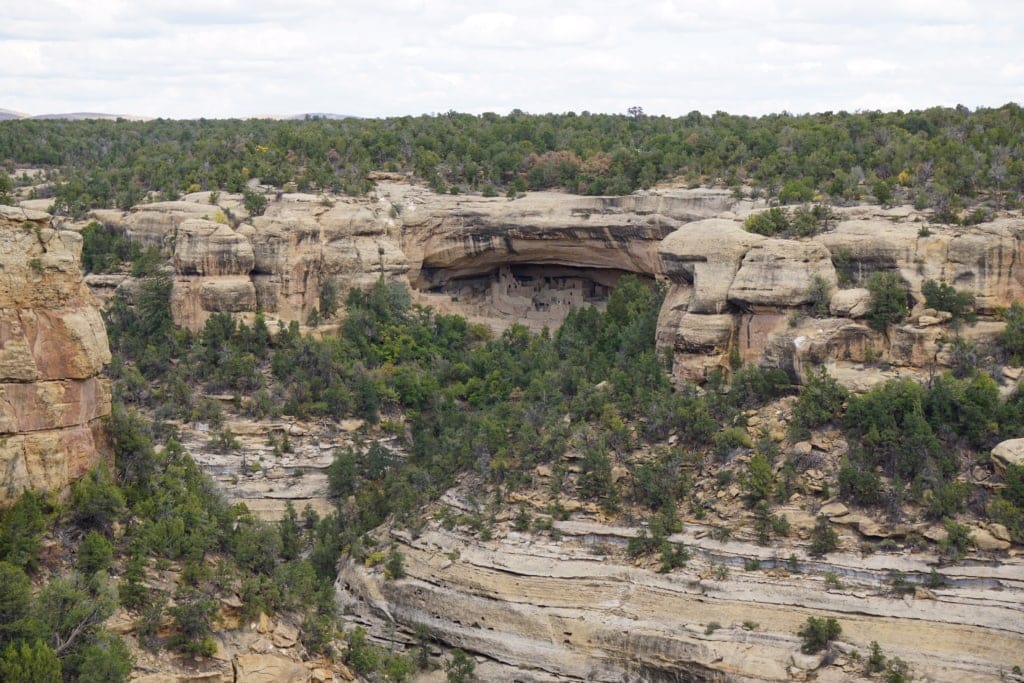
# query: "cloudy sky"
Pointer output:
{"type": "Point", "coordinates": [221, 58]}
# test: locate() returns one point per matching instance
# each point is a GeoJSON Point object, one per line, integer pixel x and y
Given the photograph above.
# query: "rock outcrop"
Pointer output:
{"type": "Point", "coordinates": [576, 609]}
{"type": "Point", "coordinates": [53, 346]}
{"type": "Point", "coordinates": [267, 668]}
{"type": "Point", "coordinates": [458, 251]}
{"type": "Point", "coordinates": [792, 303]}
{"type": "Point", "coordinates": [733, 292]}
{"type": "Point", "coordinates": [1009, 452]}
{"type": "Point", "coordinates": [276, 263]}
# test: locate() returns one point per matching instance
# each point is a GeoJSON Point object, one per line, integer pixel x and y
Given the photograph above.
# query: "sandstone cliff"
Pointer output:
{"type": "Point", "coordinates": [573, 607]}
{"type": "Point", "coordinates": [530, 260]}
{"type": "Point", "coordinates": [277, 262]}
{"type": "Point", "coordinates": [733, 291]}
{"type": "Point", "coordinates": [53, 346]}
{"type": "Point", "coordinates": [568, 250]}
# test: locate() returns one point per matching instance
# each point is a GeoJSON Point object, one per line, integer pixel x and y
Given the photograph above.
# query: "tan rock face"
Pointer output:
{"type": "Point", "coordinates": [408, 233]}
{"type": "Point", "coordinates": [555, 610]}
{"type": "Point", "coordinates": [780, 273]}
{"type": "Point", "coordinates": [1009, 452]}
{"type": "Point", "coordinates": [532, 259]}
{"type": "Point", "coordinates": [52, 346]}
{"type": "Point", "coordinates": [206, 248]}
{"type": "Point", "coordinates": [257, 668]}
{"type": "Point", "coordinates": [764, 285]}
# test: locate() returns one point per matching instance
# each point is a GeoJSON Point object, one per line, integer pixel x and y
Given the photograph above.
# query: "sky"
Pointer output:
{"type": "Point", "coordinates": [374, 58]}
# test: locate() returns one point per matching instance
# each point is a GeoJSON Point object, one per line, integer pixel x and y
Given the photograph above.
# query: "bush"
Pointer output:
{"type": "Point", "coordinates": [394, 568]}
{"type": "Point", "coordinates": [859, 485]}
{"type": "Point", "coordinates": [96, 502]}
{"type": "Point", "coordinates": [824, 539]}
{"type": "Point", "coordinates": [94, 554]}
{"type": "Point", "coordinates": [21, 530]}
{"type": "Point", "coordinates": [820, 402]}
{"type": "Point", "coordinates": [753, 386]}
{"type": "Point", "coordinates": [16, 615]}
{"type": "Point", "coordinates": [818, 633]}
{"type": "Point", "coordinates": [193, 620]}
{"type": "Point", "coordinates": [887, 426]}
{"type": "Point", "coordinates": [254, 202]}
{"type": "Point", "coordinates": [460, 667]}
{"type": "Point", "coordinates": [772, 222]}
{"type": "Point", "coordinates": [29, 662]}
{"type": "Point", "coordinates": [105, 660]}
{"type": "Point", "coordinates": [969, 407]}
{"type": "Point", "coordinates": [943, 297]}
{"type": "Point", "coordinates": [758, 480]}
{"type": "Point", "coordinates": [1009, 515]}
{"type": "Point", "coordinates": [888, 300]}
{"type": "Point", "coordinates": [73, 612]}
{"type": "Point", "coordinates": [954, 546]}
{"type": "Point", "coordinates": [1013, 485]}
{"type": "Point", "coordinates": [1012, 338]}
{"type": "Point", "coordinates": [131, 589]}
{"type": "Point", "coordinates": [673, 556]}
{"type": "Point", "coordinates": [729, 440]}
{"type": "Point", "coordinates": [945, 500]}
{"type": "Point", "coordinates": [819, 293]}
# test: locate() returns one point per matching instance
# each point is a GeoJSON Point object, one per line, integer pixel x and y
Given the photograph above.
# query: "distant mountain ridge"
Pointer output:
{"type": "Point", "coordinates": [10, 114]}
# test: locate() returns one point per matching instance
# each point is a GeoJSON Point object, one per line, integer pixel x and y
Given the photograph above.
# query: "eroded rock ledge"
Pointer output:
{"type": "Point", "coordinates": [452, 250]}
{"type": "Point", "coordinates": [53, 346]}
{"type": "Point", "coordinates": [736, 292]}
{"type": "Point", "coordinates": [576, 609]}
{"type": "Point", "coordinates": [532, 259]}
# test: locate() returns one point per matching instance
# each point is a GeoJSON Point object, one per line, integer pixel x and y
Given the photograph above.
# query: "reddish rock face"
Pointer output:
{"type": "Point", "coordinates": [53, 346]}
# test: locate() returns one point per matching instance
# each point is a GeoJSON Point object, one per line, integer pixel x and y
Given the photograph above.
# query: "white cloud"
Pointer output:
{"type": "Point", "coordinates": [870, 67]}
{"type": "Point", "coordinates": [242, 57]}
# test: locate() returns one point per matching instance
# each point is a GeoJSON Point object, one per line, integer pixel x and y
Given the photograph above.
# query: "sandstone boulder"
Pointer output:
{"type": "Point", "coordinates": [862, 247]}
{"type": "Point", "coordinates": [704, 333]}
{"type": "Point", "coordinates": [267, 668]}
{"type": "Point", "coordinates": [811, 342]}
{"type": "Point", "coordinates": [780, 273]}
{"type": "Point", "coordinates": [835, 509]}
{"type": "Point", "coordinates": [231, 295]}
{"type": "Point", "coordinates": [850, 303]}
{"type": "Point", "coordinates": [985, 260]}
{"type": "Point", "coordinates": [707, 254]}
{"type": "Point", "coordinates": [210, 249]}
{"type": "Point", "coordinates": [864, 524]}
{"type": "Point", "coordinates": [984, 540]}
{"type": "Point", "coordinates": [1009, 452]}
{"type": "Point", "coordinates": [155, 224]}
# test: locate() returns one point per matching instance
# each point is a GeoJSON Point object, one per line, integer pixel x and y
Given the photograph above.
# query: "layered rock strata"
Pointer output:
{"type": "Point", "coordinates": [53, 346]}
{"type": "Point", "coordinates": [566, 250]}
{"type": "Point", "coordinates": [576, 609]}
{"type": "Point", "coordinates": [733, 292]}
{"type": "Point", "coordinates": [791, 303]}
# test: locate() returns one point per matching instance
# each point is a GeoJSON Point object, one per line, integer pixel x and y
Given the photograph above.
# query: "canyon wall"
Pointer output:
{"type": "Point", "coordinates": [730, 293]}
{"type": "Point", "coordinates": [451, 249]}
{"type": "Point", "coordinates": [734, 292]}
{"type": "Point", "coordinates": [53, 346]}
{"type": "Point", "coordinates": [572, 606]}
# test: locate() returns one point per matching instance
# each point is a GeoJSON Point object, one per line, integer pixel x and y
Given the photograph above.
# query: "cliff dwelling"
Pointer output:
{"type": "Point", "coordinates": [530, 294]}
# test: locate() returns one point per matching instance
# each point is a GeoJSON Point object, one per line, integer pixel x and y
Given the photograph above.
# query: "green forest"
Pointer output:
{"type": "Point", "coordinates": [487, 408]}
{"type": "Point", "coordinates": [939, 158]}
{"type": "Point", "coordinates": [464, 404]}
